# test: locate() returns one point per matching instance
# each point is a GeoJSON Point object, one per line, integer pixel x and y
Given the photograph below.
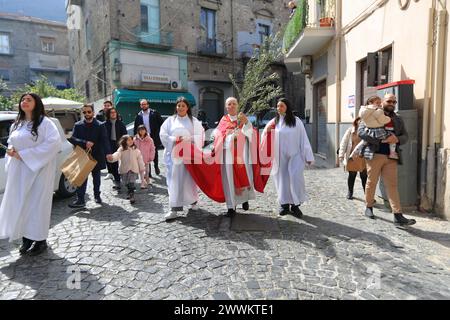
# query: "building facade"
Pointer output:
{"type": "Point", "coordinates": [126, 50]}
{"type": "Point", "coordinates": [31, 48]}
{"type": "Point", "coordinates": [350, 51]}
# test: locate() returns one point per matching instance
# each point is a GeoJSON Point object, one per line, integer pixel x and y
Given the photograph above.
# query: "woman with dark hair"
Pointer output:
{"type": "Point", "coordinates": [292, 151]}
{"type": "Point", "coordinates": [115, 129]}
{"type": "Point", "coordinates": [181, 127]}
{"type": "Point", "coordinates": [352, 165]}
{"type": "Point", "coordinates": [33, 144]}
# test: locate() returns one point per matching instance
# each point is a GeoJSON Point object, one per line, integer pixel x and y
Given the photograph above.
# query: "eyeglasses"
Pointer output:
{"type": "Point", "coordinates": [87, 112]}
{"type": "Point", "coordinates": [391, 101]}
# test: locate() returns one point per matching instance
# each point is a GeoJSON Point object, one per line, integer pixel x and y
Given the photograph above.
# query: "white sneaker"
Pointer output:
{"type": "Point", "coordinates": [170, 215]}
{"type": "Point", "coordinates": [109, 176]}
{"type": "Point", "coordinates": [194, 207]}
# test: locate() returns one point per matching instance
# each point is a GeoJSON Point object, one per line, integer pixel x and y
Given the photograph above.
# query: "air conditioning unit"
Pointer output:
{"type": "Point", "coordinates": [175, 84]}
{"type": "Point", "coordinates": [306, 65]}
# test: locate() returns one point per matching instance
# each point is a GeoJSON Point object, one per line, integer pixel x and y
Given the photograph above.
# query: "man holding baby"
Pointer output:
{"type": "Point", "coordinates": [381, 162]}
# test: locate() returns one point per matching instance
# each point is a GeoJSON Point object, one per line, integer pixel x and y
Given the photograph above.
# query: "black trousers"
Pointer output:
{"type": "Point", "coordinates": [155, 161]}
{"type": "Point", "coordinates": [352, 177]}
{"type": "Point", "coordinates": [113, 167]}
{"type": "Point", "coordinates": [81, 191]}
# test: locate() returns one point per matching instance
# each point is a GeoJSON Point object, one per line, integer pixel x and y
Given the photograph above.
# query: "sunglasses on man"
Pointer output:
{"type": "Point", "coordinates": [391, 101]}
{"type": "Point", "coordinates": [87, 112]}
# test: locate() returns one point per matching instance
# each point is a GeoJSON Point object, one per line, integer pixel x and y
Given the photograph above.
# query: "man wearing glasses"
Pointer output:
{"type": "Point", "coordinates": [379, 164]}
{"type": "Point", "coordinates": [90, 134]}
{"type": "Point", "coordinates": [153, 121]}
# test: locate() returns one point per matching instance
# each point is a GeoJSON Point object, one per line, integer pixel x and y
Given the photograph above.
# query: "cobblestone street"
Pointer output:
{"type": "Point", "coordinates": [123, 251]}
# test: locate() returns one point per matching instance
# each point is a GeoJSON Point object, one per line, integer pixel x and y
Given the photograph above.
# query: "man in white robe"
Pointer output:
{"type": "Point", "coordinates": [235, 197]}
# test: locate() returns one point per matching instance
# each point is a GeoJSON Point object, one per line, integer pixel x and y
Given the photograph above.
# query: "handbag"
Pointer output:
{"type": "Point", "coordinates": [77, 167]}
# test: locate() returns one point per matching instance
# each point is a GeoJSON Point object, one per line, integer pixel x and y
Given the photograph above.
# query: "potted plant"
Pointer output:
{"type": "Point", "coordinates": [326, 22]}
{"type": "Point", "coordinates": [325, 8]}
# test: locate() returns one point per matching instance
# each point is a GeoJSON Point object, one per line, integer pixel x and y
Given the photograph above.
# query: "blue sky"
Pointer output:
{"type": "Point", "coordinates": [45, 9]}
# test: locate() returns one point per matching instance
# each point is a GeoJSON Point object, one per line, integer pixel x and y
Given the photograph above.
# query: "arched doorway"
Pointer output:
{"type": "Point", "coordinates": [211, 102]}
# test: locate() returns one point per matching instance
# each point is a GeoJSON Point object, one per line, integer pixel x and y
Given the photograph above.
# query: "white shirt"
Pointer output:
{"type": "Point", "coordinates": [146, 119]}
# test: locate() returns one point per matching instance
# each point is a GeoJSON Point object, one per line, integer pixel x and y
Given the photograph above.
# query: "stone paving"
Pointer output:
{"type": "Point", "coordinates": [124, 251]}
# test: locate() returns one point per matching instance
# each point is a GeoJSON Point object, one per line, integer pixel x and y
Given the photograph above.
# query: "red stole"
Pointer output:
{"type": "Point", "coordinates": [205, 167]}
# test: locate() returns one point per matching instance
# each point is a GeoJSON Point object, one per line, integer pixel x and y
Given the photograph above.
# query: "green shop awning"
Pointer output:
{"type": "Point", "coordinates": [127, 101]}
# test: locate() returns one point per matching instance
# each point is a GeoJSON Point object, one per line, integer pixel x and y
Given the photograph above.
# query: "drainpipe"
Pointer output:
{"type": "Point", "coordinates": [439, 93]}
{"type": "Point", "coordinates": [232, 45]}
{"type": "Point", "coordinates": [104, 70]}
{"type": "Point", "coordinates": [425, 203]}
{"type": "Point", "coordinates": [338, 74]}
{"type": "Point", "coordinates": [440, 74]}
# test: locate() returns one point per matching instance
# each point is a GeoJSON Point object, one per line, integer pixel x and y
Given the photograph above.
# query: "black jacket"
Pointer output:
{"type": "Point", "coordinates": [101, 116]}
{"type": "Point", "coordinates": [121, 130]}
{"type": "Point", "coordinates": [96, 134]}
{"type": "Point", "coordinates": [156, 122]}
{"type": "Point", "coordinates": [374, 144]}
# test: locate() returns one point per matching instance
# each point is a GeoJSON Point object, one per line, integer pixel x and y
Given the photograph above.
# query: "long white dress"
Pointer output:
{"type": "Point", "coordinates": [182, 189]}
{"type": "Point", "coordinates": [292, 151]}
{"type": "Point", "coordinates": [27, 202]}
{"type": "Point", "coordinates": [232, 199]}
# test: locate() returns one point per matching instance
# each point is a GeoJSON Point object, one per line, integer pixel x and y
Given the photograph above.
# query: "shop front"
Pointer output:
{"type": "Point", "coordinates": [127, 102]}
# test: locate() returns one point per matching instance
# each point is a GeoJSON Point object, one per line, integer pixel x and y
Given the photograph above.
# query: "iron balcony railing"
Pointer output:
{"type": "Point", "coordinates": [208, 46]}
{"type": "Point", "coordinates": [157, 38]}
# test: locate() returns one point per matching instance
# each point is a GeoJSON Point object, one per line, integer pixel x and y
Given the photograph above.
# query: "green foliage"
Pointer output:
{"type": "Point", "coordinates": [260, 85]}
{"type": "Point", "coordinates": [5, 102]}
{"type": "Point", "coordinates": [296, 25]}
{"type": "Point", "coordinates": [45, 89]}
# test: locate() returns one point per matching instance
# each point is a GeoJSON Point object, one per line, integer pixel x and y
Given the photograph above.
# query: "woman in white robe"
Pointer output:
{"type": "Point", "coordinates": [182, 126]}
{"type": "Point", "coordinates": [33, 145]}
{"type": "Point", "coordinates": [292, 151]}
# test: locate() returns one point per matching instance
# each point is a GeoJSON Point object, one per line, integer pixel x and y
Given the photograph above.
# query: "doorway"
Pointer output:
{"type": "Point", "coordinates": [321, 119]}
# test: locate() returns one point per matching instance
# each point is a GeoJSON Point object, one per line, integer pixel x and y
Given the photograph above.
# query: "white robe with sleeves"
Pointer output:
{"type": "Point", "coordinates": [27, 202]}
{"type": "Point", "coordinates": [292, 151]}
{"type": "Point", "coordinates": [182, 189]}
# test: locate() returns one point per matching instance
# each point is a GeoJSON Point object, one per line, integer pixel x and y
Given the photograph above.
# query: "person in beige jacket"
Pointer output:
{"type": "Point", "coordinates": [352, 165]}
{"type": "Point", "coordinates": [131, 164]}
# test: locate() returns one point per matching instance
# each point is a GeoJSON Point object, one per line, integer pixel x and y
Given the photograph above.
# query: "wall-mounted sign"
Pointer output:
{"type": "Point", "coordinates": [351, 102]}
{"type": "Point", "coordinates": [153, 78]}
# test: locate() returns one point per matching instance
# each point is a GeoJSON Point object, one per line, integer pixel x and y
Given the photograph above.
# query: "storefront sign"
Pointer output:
{"type": "Point", "coordinates": [153, 78]}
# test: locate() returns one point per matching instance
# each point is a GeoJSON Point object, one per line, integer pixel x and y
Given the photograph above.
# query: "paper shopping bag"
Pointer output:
{"type": "Point", "coordinates": [77, 167]}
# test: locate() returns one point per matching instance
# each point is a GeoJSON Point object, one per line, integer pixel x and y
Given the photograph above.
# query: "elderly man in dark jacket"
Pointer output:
{"type": "Point", "coordinates": [378, 162]}
{"type": "Point", "coordinates": [90, 134]}
{"type": "Point", "coordinates": [153, 121]}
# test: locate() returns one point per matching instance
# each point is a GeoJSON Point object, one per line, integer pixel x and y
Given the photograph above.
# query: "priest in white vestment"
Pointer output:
{"type": "Point", "coordinates": [236, 127]}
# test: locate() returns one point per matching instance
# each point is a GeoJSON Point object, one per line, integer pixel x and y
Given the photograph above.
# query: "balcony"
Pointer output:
{"type": "Point", "coordinates": [157, 39]}
{"type": "Point", "coordinates": [211, 47]}
{"type": "Point", "coordinates": [307, 33]}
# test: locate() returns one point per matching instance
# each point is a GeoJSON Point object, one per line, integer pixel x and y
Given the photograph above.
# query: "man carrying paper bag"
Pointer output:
{"type": "Point", "coordinates": [90, 135]}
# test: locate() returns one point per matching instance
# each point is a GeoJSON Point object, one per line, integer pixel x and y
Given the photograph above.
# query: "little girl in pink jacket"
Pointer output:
{"type": "Point", "coordinates": [147, 147]}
